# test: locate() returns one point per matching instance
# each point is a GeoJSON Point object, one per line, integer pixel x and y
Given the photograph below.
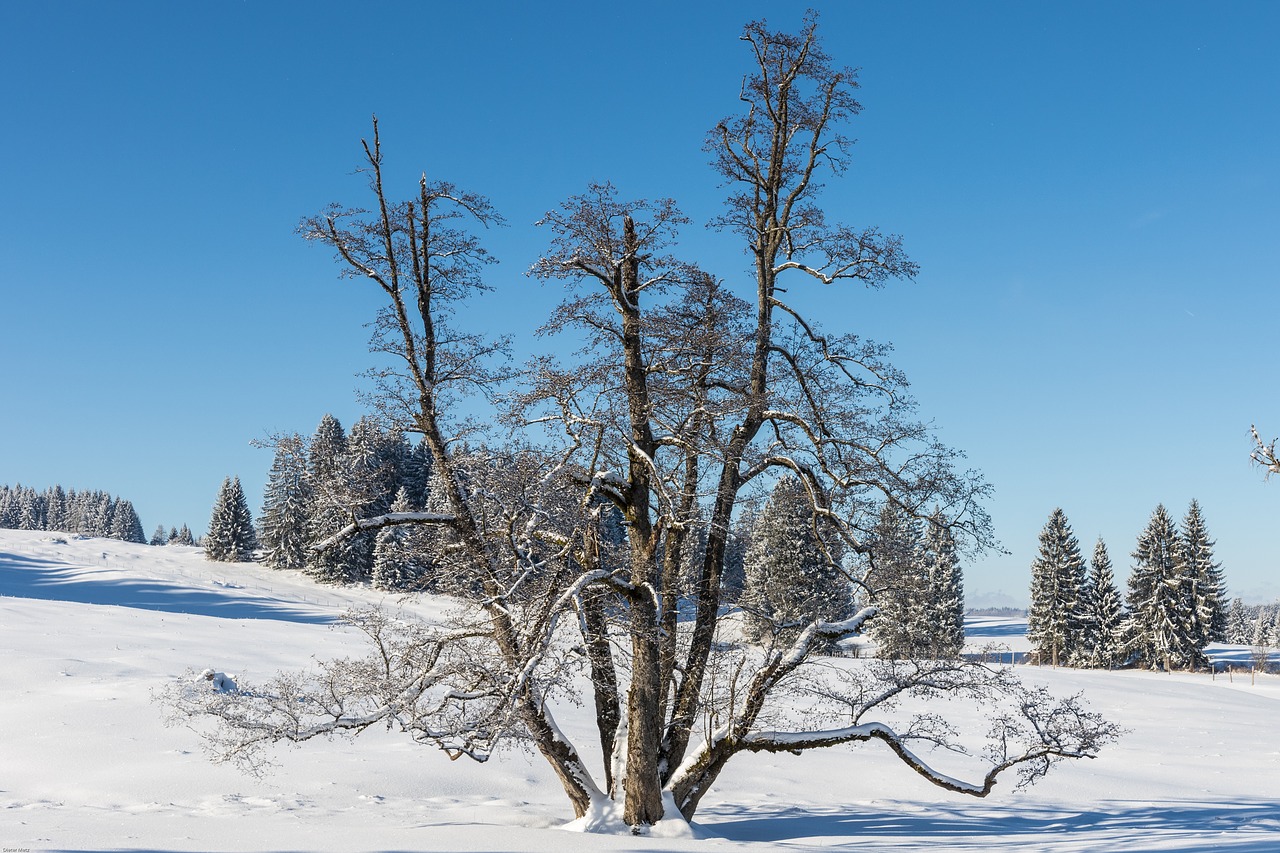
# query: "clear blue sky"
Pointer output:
{"type": "Point", "coordinates": [1092, 191]}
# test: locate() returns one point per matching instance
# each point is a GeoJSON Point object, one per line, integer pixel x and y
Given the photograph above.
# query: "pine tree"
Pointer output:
{"type": "Point", "coordinates": [945, 589]}
{"type": "Point", "coordinates": [1239, 623]}
{"type": "Point", "coordinates": [1106, 613]}
{"type": "Point", "coordinates": [416, 473]}
{"type": "Point", "coordinates": [1055, 625]}
{"type": "Point", "coordinates": [231, 538]}
{"type": "Point", "coordinates": [330, 512]}
{"type": "Point", "coordinates": [1163, 629]}
{"type": "Point", "coordinates": [125, 524]}
{"type": "Point", "coordinates": [790, 580]}
{"type": "Point", "coordinates": [369, 479]}
{"type": "Point", "coordinates": [160, 537]}
{"type": "Point", "coordinates": [56, 509]}
{"type": "Point", "coordinates": [395, 564]}
{"type": "Point", "coordinates": [733, 580]}
{"type": "Point", "coordinates": [286, 507]}
{"type": "Point", "coordinates": [898, 587]}
{"type": "Point", "coordinates": [183, 537]}
{"type": "Point", "coordinates": [1206, 588]}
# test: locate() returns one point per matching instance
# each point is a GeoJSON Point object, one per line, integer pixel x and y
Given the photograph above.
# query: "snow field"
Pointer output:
{"type": "Point", "coordinates": [87, 764]}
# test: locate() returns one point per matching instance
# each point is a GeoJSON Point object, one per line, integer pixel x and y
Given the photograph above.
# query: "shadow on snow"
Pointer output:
{"type": "Point", "coordinates": [1171, 826]}
{"type": "Point", "coordinates": [46, 580]}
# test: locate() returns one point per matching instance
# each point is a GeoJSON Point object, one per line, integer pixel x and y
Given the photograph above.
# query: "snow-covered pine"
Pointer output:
{"type": "Point", "coordinates": [1239, 623]}
{"type": "Point", "coordinates": [231, 537]}
{"type": "Point", "coordinates": [415, 474]}
{"type": "Point", "coordinates": [945, 602]}
{"type": "Point", "coordinates": [327, 483]}
{"type": "Point", "coordinates": [898, 587]}
{"type": "Point", "coordinates": [125, 524]}
{"type": "Point", "coordinates": [1054, 624]}
{"type": "Point", "coordinates": [1207, 588]}
{"type": "Point", "coordinates": [159, 537]}
{"type": "Point", "coordinates": [790, 579]}
{"type": "Point", "coordinates": [1163, 631]}
{"type": "Point", "coordinates": [286, 506]}
{"type": "Point", "coordinates": [55, 509]}
{"type": "Point", "coordinates": [395, 553]}
{"type": "Point", "coordinates": [1106, 648]}
{"type": "Point", "coordinates": [183, 537]}
{"type": "Point", "coordinates": [733, 579]}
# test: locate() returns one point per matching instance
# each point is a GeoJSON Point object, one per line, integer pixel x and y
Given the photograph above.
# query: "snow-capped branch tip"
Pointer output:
{"type": "Point", "coordinates": [1264, 454]}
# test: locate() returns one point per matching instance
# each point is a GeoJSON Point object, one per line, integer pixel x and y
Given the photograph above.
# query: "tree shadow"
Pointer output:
{"type": "Point", "coordinates": [976, 631]}
{"type": "Point", "coordinates": [1171, 826]}
{"type": "Point", "coordinates": [47, 580]}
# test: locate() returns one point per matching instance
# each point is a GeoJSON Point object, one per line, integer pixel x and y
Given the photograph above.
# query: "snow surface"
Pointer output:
{"type": "Point", "coordinates": [88, 628]}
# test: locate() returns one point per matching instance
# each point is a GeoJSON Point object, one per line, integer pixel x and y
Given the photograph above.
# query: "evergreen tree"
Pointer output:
{"type": "Point", "coordinates": [369, 478]}
{"type": "Point", "coordinates": [1205, 588]}
{"type": "Point", "coordinates": [286, 507]}
{"type": "Point", "coordinates": [790, 581]}
{"type": "Point", "coordinates": [1106, 613]}
{"type": "Point", "coordinates": [1055, 623]}
{"type": "Point", "coordinates": [1163, 629]}
{"type": "Point", "coordinates": [327, 485]}
{"type": "Point", "coordinates": [159, 537]}
{"type": "Point", "coordinates": [1239, 623]}
{"type": "Point", "coordinates": [56, 509]}
{"type": "Point", "coordinates": [231, 537]}
{"type": "Point", "coordinates": [436, 542]}
{"type": "Point", "coordinates": [125, 524]}
{"type": "Point", "coordinates": [395, 564]}
{"type": "Point", "coordinates": [183, 537]}
{"type": "Point", "coordinates": [31, 510]}
{"type": "Point", "coordinates": [415, 475]}
{"type": "Point", "coordinates": [899, 589]}
{"type": "Point", "coordinates": [733, 580]}
{"type": "Point", "coordinates": [945, 603]}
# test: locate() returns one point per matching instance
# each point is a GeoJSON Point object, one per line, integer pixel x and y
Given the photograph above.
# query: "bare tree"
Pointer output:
{"type": "Point", "coordinates": [1264, 454]}
{"type": "Point", "coordinates": [692, 400]}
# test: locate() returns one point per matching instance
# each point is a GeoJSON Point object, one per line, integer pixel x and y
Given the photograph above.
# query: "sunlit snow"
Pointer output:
{"type": "Point", "coordinates": [90, 627]}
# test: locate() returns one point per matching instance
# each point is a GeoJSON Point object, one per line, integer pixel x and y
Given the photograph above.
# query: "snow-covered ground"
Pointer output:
{"type": "Point", "coordinates": [88, 628]}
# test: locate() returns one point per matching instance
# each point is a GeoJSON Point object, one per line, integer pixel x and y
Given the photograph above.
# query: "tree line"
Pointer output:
{"type": "Point", "coordinates": [85, 512]}
{"type": "Point", "coordinates": [1174, 607]}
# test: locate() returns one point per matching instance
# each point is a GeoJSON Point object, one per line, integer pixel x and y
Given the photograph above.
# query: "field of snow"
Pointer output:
{"type": "Point", "coordinates": [89, 628]}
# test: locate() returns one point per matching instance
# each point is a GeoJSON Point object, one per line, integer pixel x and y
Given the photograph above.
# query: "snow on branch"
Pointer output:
{"type": "Point", "coordinates": [378, 522]}
{"type": "Point", "coordinates": [1264, 454]}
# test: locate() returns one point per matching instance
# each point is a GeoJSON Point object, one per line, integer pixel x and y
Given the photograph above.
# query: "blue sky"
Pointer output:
{"type": "Point", "coordinates": [1092, 191]}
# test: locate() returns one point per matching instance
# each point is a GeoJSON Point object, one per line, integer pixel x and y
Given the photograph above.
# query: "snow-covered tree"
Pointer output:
{"type": "Point", "coordinates": [326, 483]}
{"type": "Point", "coordinates": [395, 555]}
{"type": "Point", "coordinates": [125, 524]}
{"type": "Point", "coordinates": [945, 589]}
{"type": "Point", "coordinates": [231, 537]}
{"type": "Point", "coordinates": [792, 576]}
{"type": "Point", "coordinates": [1239, 623]}
{"type": "Point", "coordinates": [898, 586]}
{"type": "Point", "coordinates": [1055, 625]}
{"type": "Point", "coordinates": [1205, 587]}
{"type": "Point", "coordinates": [286, 507]}
{"type": "Point", "coordinates": [1106, 619]}
{"type": "Point", "coordinates": [56, 509]}
{"type": "Point", "coordinates": [683, 392]}
{"type": "Point", "coordinates": [1163, 630]}
{"type": "Point", "coordinates": [183, 537]}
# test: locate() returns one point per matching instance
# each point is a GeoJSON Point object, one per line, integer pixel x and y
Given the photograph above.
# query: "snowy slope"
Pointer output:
{"type": "Point", "coordinates": [88, 628]}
